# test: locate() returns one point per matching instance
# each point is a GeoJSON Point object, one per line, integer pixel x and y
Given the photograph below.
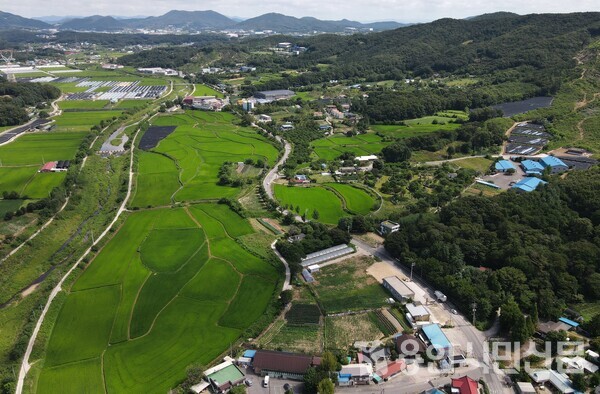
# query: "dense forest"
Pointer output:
{"type": "Point", "coordinates": [536, 250]}
{"type": "Point", "coordinates": [15, 97]}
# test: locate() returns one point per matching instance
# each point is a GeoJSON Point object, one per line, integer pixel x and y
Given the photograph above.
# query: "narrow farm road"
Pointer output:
{"type": "Point", "coordinates": [287, 283]}
{"type": "Point", "coordinates": [25, 365]}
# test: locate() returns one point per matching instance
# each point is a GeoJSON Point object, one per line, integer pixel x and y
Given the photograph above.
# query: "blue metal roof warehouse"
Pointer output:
{"type": "Point", "coordinates": [528, 184]}
{"type": "Point", "coordinates": [504, 165]}
{"type": "Point", "coordinates": [436, 337]}
{"type": "Point", "coordinates": [532, 167]}
{"type": "Point", "coordinates": [551, 161]}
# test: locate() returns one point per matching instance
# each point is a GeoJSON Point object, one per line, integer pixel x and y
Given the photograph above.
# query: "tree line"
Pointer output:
{"type": "Point", "coordinates": [535, 253]}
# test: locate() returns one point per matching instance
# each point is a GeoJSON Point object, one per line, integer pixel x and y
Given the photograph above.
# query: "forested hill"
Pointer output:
{"type": "Point", "coordinates": [15, 97]}
{"type": "Point", "coordinates": [538, 250]}
{"type": "Point", "coordinates": [477, 46]}
{"type": "Point", "coordinates": [538, 49]}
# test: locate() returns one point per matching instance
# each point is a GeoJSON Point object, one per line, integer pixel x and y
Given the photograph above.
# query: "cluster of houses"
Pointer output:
{"type": "Point", "coordinates": [205, 103]}
{"type": "Point", "coordinates": [218, 70]}
{"type": "Point", "coordinates": [372, 364]}
{"type": "Point", "coordinates": [335, 113]}
{"type": "Point", "coordinates": [274, 364]}
{"type": "Point", "coordinates": [288, 48]}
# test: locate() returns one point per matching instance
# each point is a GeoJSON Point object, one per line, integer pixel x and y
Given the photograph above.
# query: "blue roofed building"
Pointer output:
{"type": "Point", "coordinates": [436, 338]}
{"type": "Point", "coordinates": [555, 164]}
{"type": "Point", "coordinates": [504, 165]}
{"type": "Point", "coordinates": [570, 322]}
{"type": "Point", "coordinates": [532, 168]}
{"type": "Point", "coordinates": [527, 185]}
{"type": "Point", "coordinates": [250, 353]}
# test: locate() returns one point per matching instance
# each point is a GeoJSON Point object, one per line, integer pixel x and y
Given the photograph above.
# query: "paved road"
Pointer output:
{"type": "Point", "coordinates": [287, 285]}
{"type": "Point", "coordinates": [108, 147]}
{"type": "Point", "coordinates": [273, 174]}
{"type": "Point", "coordinates": [494, 379]}
{"type": "Point", "coordinates": [10, 134]}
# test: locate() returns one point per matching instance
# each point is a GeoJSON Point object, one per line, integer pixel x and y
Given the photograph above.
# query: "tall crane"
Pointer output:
{"type": "Point", "coordinates": [6, 56]}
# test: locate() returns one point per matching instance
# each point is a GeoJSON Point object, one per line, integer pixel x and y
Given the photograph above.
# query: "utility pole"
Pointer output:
{"type": "Point", "coordinates": [474, 306]}
{"type": "Point", "coordinates": [412, 265]}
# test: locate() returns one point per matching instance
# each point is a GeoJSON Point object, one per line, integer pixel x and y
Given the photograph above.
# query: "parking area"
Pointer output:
{"type": "Point", "coordinates": [504, 180]}
{"type": "Point", "coordinates": [276, 386]}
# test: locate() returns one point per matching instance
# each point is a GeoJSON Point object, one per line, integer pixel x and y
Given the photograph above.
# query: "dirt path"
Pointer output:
{"type": "Point", "coordinates": [582, 103]}
{"type": "Point", "coordinates": [392, 320]}
{"type": "Point", "coordinates": [25, 365]}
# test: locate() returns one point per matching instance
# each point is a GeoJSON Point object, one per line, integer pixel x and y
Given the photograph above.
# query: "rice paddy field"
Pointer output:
{"type": "Point", "coordinates": [361, 145]}
{"type": "Point", "coordinates": [185, 165]}
{"type": "Point", "coordinates": [333, 200]}
{"type": "Point", "coordinates": [171, 288]}
{"type": "Point", "coordinates": [355, 199]}
{"type": "Point", "coordinates": [82, 104]}
{"type": "Point", "coordinates": [83, 121]}
{"type": "Point", "coordinates": [21, 159]}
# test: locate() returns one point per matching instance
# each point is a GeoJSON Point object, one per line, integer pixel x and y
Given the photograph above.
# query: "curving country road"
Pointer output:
{"type": "Point", "coordinates": [274, 173]}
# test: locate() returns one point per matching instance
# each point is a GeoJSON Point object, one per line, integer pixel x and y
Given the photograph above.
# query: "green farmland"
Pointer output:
{"type": "Point", "coordinates": [82, 104]}
{"type": "Point", "coordinates": [171, 289]}
{"type": "Point", "coordinates": [21, 159]}
{"type": "Point", "coordinates": [332, 200]}
{"type": "Point", "coordinates": [311, 198]}
{"type": "Point", "coordinates": [203, 90]}
{"type": "Point", "coordinates": [83, 121]}
{"type": "Point", "coordinates": [428, 124]}
{"type": "Point", "coordinates": [361, 145]}
{"type": "Point", "coordinates": [185, 165]}
{"type": "Point", "coordinates": [343, 287]}
{"type": "Point", "coordinates": [355, 199]}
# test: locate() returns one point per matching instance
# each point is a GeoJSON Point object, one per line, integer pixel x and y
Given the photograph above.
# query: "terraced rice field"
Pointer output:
{"type": "Point", "coordinates": [331, 204]}
{"type": "Point", "coordinates": [355, 199]}
{"type": "Point", "coordinates": [171, 289]}
{"type": "Point", "coordinates": [196, 150]}
{"type": "Point", "coordinates": [308, 199]}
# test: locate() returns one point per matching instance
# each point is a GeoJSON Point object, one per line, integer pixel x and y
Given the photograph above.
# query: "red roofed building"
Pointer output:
{"type": "Point", "coordinates": [48, 167]}
{"type": "Point", "coordinates": [392, 369]}
{"type": "Point", "coordinates": [465, 385]}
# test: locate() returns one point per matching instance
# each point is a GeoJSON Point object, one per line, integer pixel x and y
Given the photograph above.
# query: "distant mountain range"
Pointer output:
{"type": "Point", "coordinates": [12, 21]}
{"type": "Point", "coordinates": [191, 20]}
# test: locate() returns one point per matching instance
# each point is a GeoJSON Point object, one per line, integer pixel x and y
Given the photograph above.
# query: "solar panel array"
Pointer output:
{"type": "Point", "coordinates": [527, 139]}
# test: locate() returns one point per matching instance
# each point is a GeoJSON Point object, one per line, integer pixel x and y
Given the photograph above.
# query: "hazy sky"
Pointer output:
{"type": "Point", "coordinates": [399, 10]}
